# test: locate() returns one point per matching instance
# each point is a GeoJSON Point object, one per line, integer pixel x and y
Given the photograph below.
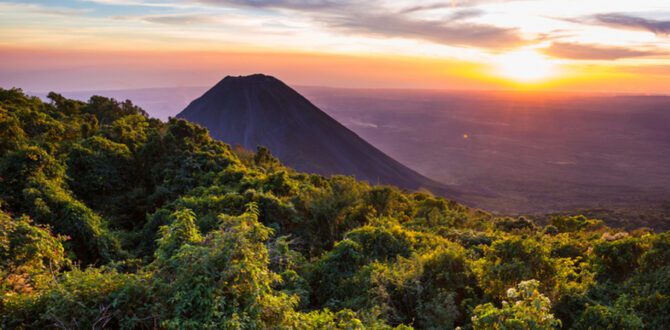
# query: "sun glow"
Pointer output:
{"type": "Point", "coordinates": [525, 66]}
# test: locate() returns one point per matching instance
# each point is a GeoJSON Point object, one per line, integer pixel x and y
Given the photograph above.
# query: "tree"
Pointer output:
{"type": "Point", "coordinates": [99, 169]}
{"type": "Point", "coordinates": [33, 184]}
{"type": "Point", "coordinates": [617, 259]}
{"type": "Point", "coordinates": [181, 231]}
{"type": "Point", "coordinates": [30, 255]}
{"type": "Point", "coordinates": [573, 223]}
{"type": "Point", "coordinates": [264, 158]}
{"type": "Point", "coordinates": [527, 309]}
{"type": "Point", "coordinates": [95, 298]}
{"type": "Point", "coordinates": [512, 260]}
{"type": "Point", "coordinates": [515, 224]}
{"type": "Point", "coordinates": [220, 281]}
{"type": "Point", "coordinates": [607, 318]}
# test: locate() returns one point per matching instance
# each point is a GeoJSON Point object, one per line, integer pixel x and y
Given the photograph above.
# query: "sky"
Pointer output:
{"type": "Point", "coordinates": [606, 46]}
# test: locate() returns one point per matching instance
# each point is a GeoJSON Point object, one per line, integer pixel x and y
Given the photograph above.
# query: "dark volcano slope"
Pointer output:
{"type": "Point", "coordinates": [260, 110]}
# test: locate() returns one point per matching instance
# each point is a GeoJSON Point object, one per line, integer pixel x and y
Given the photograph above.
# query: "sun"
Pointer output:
{"type": "Point", "coordinates": [525, 66]}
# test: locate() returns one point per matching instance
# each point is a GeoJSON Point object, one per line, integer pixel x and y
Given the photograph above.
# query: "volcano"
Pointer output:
{"type": "Point", "coordinates": [260, 110]}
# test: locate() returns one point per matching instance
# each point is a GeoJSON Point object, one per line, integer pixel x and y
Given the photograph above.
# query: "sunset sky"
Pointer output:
{"type": "Point", "coordinates": [562, 45]}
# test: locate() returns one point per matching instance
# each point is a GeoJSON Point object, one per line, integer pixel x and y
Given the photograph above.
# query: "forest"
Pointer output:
{"type": "Point", "coordinates": [112, 219]}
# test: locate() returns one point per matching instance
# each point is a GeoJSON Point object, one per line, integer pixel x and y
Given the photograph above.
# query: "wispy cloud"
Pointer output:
{"type": "Point", "coordinates": [45, 10]}
{"type": "Point", "coordinates": [634, 22]}
{"type": "Point", "coordinates": [446, 4]}
{"type": "Point", "coordinates": [175, 19]}
{"type": "Point", "coordinates": [576, 51]}
{"type": "Point", "coordinates": [452, 33]}
{"type": "Point", "coordinates": [463, 14]}
{"type": "Point", "coordinates": [141, 3]}
{"type": "Point", "coordinates": [418, 8]}
{"type": "Point", "coordinates": [302, 5]}
{"type": "Point", "coordinates": [372, 18]}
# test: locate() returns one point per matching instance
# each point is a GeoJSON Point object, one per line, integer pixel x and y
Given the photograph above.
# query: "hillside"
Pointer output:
{"type": "Point", "coordinates": [260, 110]}
{"type": "Point", "coordinates": [111, 219]}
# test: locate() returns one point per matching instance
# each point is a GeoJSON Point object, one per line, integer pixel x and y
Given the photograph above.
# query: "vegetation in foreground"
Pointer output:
{"type": "Point", "coordinates": [111, 219]}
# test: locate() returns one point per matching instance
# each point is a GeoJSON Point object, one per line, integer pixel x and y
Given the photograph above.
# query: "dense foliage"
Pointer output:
{"type": "Point", "coordinates": [111, 219]}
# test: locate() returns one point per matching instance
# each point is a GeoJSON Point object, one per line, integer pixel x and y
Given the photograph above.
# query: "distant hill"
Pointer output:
{"type": "Point", "coordinates": [260, 110]}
